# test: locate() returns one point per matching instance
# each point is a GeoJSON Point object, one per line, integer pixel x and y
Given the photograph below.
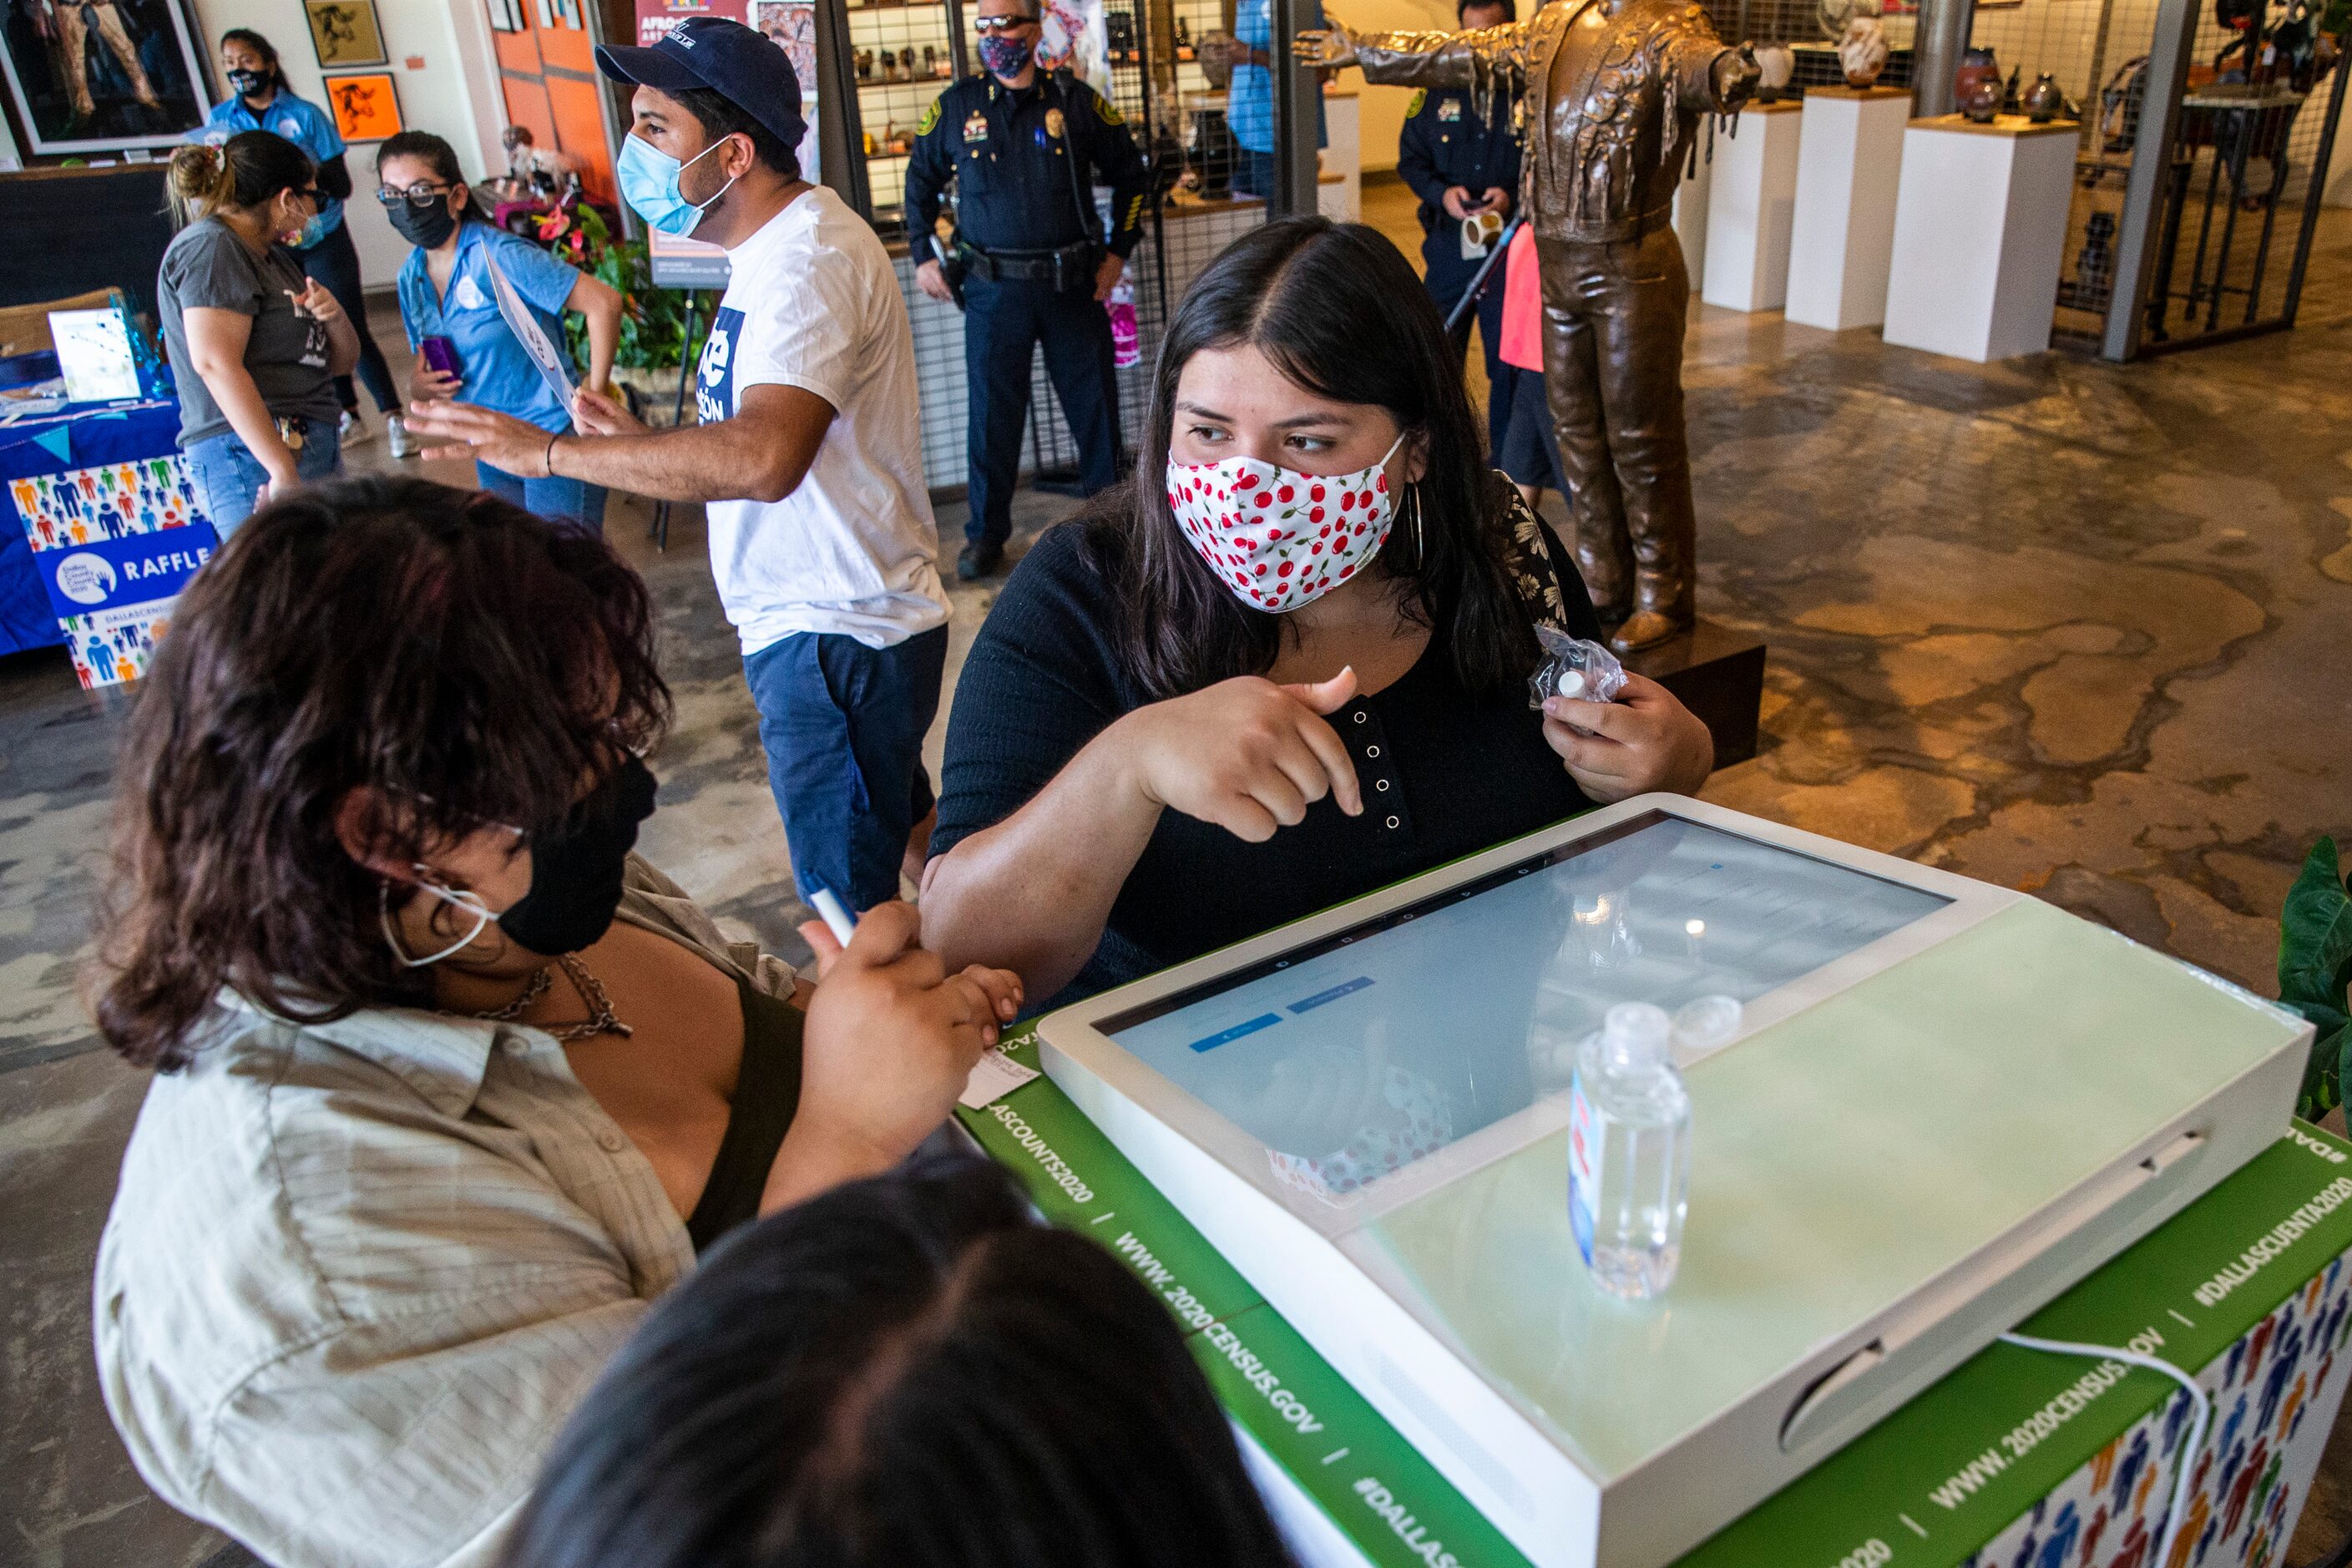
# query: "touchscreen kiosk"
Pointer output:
{"type": "Point", "coordinates": [1945, 1101]}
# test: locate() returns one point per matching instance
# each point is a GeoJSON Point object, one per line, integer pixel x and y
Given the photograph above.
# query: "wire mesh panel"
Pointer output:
{"type": "Point", "coordinates": [902, 57]}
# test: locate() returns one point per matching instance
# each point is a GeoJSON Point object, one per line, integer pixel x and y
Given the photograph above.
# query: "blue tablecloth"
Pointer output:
{"type": "Point", "coordinates": [77, 438]}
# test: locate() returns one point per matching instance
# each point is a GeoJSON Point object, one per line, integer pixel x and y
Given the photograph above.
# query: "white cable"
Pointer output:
{"type": "Point", "coordinates": [2202, 1404]}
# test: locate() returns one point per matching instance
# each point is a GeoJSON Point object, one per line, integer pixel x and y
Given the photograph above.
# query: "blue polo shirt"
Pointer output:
{"type": "Point", "coordinates": [498, 373]}
{"type": "Point", "coordinates": [297, 119]}
{"type": "Point", "coordinates": [1249, 101]}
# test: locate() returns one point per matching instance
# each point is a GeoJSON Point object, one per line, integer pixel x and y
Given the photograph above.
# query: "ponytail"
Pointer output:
{"type": "Point", "coordinates": [245, 172]}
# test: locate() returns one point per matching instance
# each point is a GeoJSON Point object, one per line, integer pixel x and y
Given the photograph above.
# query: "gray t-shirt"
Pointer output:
{"type": "Point", "coordinates": [207, 265]}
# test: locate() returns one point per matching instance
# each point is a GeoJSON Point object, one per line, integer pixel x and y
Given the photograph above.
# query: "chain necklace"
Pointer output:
{"type": "Point", "coordinates": [600, 1019]}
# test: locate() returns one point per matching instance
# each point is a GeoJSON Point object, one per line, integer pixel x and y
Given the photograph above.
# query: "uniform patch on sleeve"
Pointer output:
{"type": "Point", "coordinates": [1107, 110]}
{"type": "Point", "coordinates": [931, 118]}
{"type": "Point", "coordinates": [1419, 97]}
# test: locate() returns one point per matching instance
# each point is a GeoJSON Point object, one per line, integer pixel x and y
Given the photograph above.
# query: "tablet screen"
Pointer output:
{"type": "Point", "coordinates": [1361, 1052]}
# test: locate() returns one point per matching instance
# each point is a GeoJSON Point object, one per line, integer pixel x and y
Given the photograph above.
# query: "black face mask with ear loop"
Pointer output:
{"type": "Point", "coordinates": [427, 226]}
{"type": "Point", "coordinates": [576, 867]}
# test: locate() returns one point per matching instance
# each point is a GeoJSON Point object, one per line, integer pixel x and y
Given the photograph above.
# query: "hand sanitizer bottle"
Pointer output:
{"type": "Point", "coordinates": [1629, 1154]}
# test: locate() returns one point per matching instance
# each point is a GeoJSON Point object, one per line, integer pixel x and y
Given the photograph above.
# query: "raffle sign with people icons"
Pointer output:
{"type": "Point", "coordinates": [114, 545]}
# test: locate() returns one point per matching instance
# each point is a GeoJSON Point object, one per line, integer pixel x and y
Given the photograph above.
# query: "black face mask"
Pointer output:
{"type": "Point", "coordinates": [427, 226]}
{"type": "Point", "coordinates": [248, 84]}
{"type": "Point", "coordinates": [576, 866]}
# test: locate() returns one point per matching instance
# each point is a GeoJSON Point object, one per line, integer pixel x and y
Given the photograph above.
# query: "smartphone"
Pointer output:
{"type": "Point", "coordinates": [440, 356]}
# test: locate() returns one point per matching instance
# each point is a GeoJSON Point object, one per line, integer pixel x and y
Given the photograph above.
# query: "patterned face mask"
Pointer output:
{"type": "Point", "coordinates": [1280, 537]}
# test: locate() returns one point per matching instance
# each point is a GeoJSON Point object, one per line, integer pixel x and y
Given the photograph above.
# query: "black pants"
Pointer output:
{"type": "Point", "coordinates": [1448, 274]}
{"type": "Point", "coordinates": [335, 262]}
{"type": "Point", "coordinates": [1002, 322]}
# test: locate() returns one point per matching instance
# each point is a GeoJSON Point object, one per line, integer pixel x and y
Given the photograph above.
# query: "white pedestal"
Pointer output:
{"type": "Point", "coordinates": [1843, 231]}
{"type": "Point", "coordinates": [1690, 211]}
{"type": "Point", "coordinates": [1343, 155]}
{"type": "Point", "coordinates": [1749, 209]}
{"type": "Point", "coordinates": [1979, 228]}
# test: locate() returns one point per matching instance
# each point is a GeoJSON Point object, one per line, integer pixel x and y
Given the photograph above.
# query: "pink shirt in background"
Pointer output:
{"type": "Point", "coordinates": [1522, 305]}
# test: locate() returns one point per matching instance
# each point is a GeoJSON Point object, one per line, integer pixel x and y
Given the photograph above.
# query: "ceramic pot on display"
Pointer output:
{"type": "Point", "coordinates": [1976, 65]}
{"type": "Point", "coordinates": [1779, 64]}
{"type": "Point", "coordinates": [2042, 102]}
{"type": "Point", "coordinates": [1980, 100]}
{"type": "Point", "coordinates": [1862, 50]}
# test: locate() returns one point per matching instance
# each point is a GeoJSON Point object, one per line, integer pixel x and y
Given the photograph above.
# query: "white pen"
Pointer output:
{"type": "Point", "coordinates": [835, 916]}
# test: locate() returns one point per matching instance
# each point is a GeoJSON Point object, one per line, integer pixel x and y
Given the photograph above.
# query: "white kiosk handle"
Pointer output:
{"type": "Point", "coordinates": [1840, 1391]}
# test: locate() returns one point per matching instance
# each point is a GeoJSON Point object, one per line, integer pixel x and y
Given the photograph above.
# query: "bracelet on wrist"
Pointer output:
{"type": "Point", "coordinates": [546, 461]}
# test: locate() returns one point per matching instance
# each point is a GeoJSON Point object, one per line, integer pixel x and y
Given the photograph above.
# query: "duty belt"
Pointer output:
{"type": "Point", "coordinates": [1064, 268]}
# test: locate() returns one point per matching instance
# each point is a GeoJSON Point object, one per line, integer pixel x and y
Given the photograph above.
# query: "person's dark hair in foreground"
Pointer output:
{"type": "Point", "coordinates": [437, 644]}
{"type": "Point", "coordinates": [907, 1371]}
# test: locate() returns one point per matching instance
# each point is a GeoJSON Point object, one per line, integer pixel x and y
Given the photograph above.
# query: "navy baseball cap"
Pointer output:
{"type": "Point", "coordinates": [729, 59]}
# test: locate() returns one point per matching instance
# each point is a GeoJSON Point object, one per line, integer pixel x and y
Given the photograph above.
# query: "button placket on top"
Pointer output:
{"type": "Point", "coordinates": [1368, 745]}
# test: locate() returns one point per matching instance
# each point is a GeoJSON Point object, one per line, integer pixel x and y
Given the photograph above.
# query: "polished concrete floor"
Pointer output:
{"type": "Point", "coordinates": [2080, 630]}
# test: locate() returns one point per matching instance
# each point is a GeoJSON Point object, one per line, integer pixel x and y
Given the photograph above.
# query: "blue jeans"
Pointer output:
{"type": "Point", "coordinates": [843, 725]}
{"type": "Point", "coordinates": [556, 498]}
{"type": "Point", "coordinates": [228, 476]}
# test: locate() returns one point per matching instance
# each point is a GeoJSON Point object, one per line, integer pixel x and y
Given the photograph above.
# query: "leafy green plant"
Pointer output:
{"type": "Point", "coordinates": [652, 320]}
{"type": "Point", "coordinates": [2315, 972]}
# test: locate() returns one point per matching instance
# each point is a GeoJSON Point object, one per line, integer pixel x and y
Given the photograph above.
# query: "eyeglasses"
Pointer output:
{"type": "Point", "coordinates": [1001, 24]}
{"type": "Point", "coordinates": [310, 194]}
{"type": "Point", "coordinates": [422, 198]}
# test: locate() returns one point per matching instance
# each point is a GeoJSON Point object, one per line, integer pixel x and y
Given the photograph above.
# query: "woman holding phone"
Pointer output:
{"type": "Point", "coordinates": [467, 343]}
{"type": "Point", "coordinates": [254, 345]}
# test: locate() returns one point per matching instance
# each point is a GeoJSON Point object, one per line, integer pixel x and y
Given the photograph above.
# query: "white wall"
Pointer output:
{"type": "Point", "coordinates": [442, 65]}
{"type": "Point", "coordinates": [1383, 108]}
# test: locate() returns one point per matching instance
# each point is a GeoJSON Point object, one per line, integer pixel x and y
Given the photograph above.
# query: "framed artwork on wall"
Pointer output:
{"type": "Point", "coordinates": [506, 15]}
{"type": "Point", "coordinates": [102, 76]}
{"type": "Point", "coordinates": [365, 105]}
{"type": "Point", "coordinates": [344, 33]}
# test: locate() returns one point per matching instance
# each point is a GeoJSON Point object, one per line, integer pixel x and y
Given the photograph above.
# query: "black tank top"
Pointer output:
{"type": "Point", "coordinates": [767, 1093]}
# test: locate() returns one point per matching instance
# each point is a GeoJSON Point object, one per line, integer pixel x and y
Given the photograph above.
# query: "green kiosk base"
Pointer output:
{"type": "Point", "coordinates": [2020, 1459]}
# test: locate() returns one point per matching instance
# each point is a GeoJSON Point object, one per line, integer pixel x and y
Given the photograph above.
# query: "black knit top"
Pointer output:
{"type": "Point", "coordinates": [1446, 773]}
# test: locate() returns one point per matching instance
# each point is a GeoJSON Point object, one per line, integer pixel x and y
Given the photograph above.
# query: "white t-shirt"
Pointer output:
{"type": "Point", "coordinates": [811, 302]}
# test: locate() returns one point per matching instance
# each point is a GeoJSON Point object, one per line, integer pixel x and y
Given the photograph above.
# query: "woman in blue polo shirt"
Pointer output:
{"type": "Point", "coordinates": [262, 102]}
{"type": "Point", "coordinates": [446, 291]}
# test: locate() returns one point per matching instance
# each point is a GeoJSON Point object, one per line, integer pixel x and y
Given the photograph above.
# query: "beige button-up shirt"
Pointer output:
{"type": "Point", "coordinates": [358, 1273]}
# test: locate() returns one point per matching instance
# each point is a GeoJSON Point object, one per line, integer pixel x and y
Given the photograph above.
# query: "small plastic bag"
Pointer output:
{"type": "Point", "coordinates": [1574, 667]}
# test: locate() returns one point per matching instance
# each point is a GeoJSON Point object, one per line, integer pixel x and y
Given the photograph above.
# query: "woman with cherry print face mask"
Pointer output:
{"type": "Point", "coordinates": [1287, 664]}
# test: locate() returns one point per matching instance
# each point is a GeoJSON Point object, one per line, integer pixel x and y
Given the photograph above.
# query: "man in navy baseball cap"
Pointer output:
{"type": "Point", "coordinates": [721, 57]}
{"type": "Point", "coordinates": [808, 453]}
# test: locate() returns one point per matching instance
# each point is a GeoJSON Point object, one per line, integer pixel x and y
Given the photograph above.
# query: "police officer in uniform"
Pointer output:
{"type": "Point", "coordinates": [1461, 163]}
{"type": "Point", "coordinates": [1024, 148]}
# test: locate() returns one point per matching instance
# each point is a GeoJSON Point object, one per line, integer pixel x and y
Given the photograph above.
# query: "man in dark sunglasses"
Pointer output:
{"type": "Point", "coordinates": [1024, 147]}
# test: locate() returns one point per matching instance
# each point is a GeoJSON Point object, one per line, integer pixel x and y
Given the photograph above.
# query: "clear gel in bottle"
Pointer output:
{"type": "Point", "coordinates": [1629, 1152]}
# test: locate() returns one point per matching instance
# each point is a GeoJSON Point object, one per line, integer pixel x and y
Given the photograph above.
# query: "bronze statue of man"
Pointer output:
{"type": "Point", "coordinates": [1611, 92]}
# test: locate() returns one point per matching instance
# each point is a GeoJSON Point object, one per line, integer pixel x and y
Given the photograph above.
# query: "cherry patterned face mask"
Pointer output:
{"type": "Point", "coordinates": [1280, 537]}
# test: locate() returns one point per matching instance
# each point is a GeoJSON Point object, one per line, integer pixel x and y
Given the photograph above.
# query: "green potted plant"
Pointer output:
{"type": "Point", "coordinates": [652, 320]}
{"type": "Point", "coordinates": [2315, 972]}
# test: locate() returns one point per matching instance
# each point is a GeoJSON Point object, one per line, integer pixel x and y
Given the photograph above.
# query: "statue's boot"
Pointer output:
{"type": "Point", "coordinates": [1664, 548]}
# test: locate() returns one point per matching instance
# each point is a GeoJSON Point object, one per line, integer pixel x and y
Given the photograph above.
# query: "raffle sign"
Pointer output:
{"type": "Point", "coordinates": [114, 543]}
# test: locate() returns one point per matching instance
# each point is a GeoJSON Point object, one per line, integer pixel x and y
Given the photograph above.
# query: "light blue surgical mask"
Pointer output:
{"type": "Point", "coordinates": [648, 178]}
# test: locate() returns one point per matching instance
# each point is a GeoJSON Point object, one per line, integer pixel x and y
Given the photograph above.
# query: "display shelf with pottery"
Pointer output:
{"type": "Point", "coordinates": [1751, 207]}
{"type": "Point", "coordinates": [1842, 240]}
{"type": "Point", "coordinates": [1691, 197]}
{"type": "Point", "coordinates": [1979, 228]}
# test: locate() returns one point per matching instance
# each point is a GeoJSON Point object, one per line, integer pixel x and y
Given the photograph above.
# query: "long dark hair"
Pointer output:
{"type": "Point", "coordinates": [910, 1372]}
{"type": "Point", "coordinates": [448, 651]}
{"type": "Point", "coordinates": [1337, 310]}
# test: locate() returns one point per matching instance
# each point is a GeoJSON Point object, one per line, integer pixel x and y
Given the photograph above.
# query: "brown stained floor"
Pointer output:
{"type": "Point", "coordinates": [2074, 628]}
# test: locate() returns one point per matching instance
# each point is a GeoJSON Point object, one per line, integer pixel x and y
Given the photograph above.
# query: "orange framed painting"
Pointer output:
{"type": "Point", "coordinates": [365, 105]}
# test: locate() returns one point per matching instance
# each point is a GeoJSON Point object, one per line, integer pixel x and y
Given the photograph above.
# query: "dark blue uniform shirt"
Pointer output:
{"type": "Point", "coordinates": [1023, 163]}
{"type": "Point", "coordinates": [1447, 142]}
